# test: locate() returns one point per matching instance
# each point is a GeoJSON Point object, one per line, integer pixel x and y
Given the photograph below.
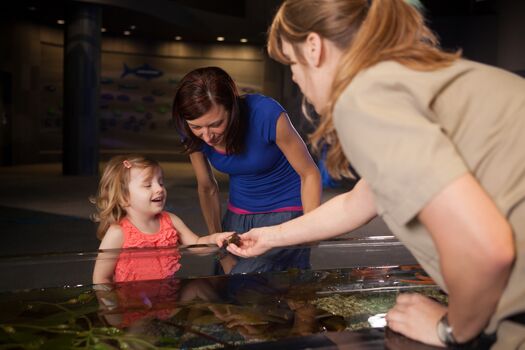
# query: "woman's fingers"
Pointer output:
{"type": "Point", "coordinates": [242, 251]}
{"type": "Point", "coordinates": [416, 316]}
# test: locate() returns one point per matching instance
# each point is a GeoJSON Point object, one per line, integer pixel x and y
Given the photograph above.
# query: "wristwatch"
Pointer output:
{"type": "Point", "coordinates": [444, 331]}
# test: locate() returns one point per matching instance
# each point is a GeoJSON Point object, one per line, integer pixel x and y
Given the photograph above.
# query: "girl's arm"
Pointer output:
{"type": "Point", "coordinates": [300, 159]}
{"type": "Point", "coordinates": [106, 261]}
{"type": "Point", "coordinates": [208, 191]}
{"type": "Point", "coordinates": [187, 236]}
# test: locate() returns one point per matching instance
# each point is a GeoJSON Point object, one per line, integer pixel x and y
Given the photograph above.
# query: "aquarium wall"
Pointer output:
{"type": "Point", "coordinates": [76, 268]}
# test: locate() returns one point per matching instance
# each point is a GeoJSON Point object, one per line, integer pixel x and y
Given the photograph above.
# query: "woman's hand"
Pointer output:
{"type": "Point", "coordinates": [416, 316]}
{"type": "Point", "coordinates": [253, 243]}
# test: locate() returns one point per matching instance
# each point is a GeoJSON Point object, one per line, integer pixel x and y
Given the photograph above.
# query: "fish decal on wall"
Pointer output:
{"type": "Point", "coordinates": [107, 96]}
{"type": "Point", "coordinates": [106, 81]}
{"type": "Point", "coordinates": [123, 98]}
{"type": "Point", "coordinates": [128, 87]}
{"type": "Point", "coordinates": [162, 109]}
{"type": "Point", "coordinates": [145, 71]}
{"type": "Point", "coordinates": [148, 99]}
{"type": "Point", "coordinates": [157, 92]}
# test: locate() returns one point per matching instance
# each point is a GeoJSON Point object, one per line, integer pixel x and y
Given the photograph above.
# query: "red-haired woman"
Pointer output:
{"type": "Point", "coordinates": [272, 176]}
{"type": "Point", "coordinates": [438, 143]}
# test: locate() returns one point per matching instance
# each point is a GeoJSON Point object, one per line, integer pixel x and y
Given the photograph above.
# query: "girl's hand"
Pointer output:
{"type": "Point", "coordinates": [253, 243]}
{"type": "Point", "coordinates": [416, 316]}
{"type": "Point", "coordinates": [220, 237]}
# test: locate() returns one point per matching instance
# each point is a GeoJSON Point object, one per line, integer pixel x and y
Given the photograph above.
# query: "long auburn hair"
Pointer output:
{"type": "Point", "coordinates": [367, 32]}
{"type": "Point", "coordinates": [196, 94]}
{"type": "Point", "coordinates": [113, 191]}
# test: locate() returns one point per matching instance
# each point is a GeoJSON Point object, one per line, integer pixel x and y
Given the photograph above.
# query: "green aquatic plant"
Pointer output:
{"type": "Point", "coordinates": [66, 325]}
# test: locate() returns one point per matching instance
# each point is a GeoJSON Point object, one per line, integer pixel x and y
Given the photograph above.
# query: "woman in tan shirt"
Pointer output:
{"type": "Point", "coordinates": [438, 142]}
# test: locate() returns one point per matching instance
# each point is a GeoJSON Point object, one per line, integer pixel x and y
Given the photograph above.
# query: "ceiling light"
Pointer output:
{"type": "Point", "coordinates": [178, 38]}
{"type": "Point", "coordinates": [244, 40]}
{"type": "Point", "coordinates": [220, 38]}
{"type": "Point", "coordinates": [31, 8]}
{"type": "Point", "coordinates": [127, 32]}
{"type": "Point", "coordinates": [61, 21]}
{"type": "Point", "coordinates": [132, 27]}
{"type": "Point", "coordinates": [103, 30]}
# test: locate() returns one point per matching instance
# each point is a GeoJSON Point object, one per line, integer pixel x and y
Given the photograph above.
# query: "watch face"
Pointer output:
{"type": "Point", "coordinates": [442, 332]}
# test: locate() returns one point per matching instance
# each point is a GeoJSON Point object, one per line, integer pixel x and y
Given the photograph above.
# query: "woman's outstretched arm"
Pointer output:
{"type": "Point", "coordinates": [337, 216]}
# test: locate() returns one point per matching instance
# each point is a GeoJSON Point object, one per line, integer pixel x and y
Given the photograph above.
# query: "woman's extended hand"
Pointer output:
{"type": "Point", "coordinates": [416, 316]}
{"type": "Point", "coordinates": [253, 243]}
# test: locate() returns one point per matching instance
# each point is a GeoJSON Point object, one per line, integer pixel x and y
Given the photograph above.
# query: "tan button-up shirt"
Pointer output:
{"type": "Point", "coordinates": [411, 133]}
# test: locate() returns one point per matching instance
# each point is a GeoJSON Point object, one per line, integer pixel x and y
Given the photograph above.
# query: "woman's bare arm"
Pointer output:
{"type": "Point", "coordinates": [208, 191]}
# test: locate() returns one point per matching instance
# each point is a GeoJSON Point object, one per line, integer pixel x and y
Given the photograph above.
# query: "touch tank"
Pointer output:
{"type": "Point", "coordinates": [323, 308]}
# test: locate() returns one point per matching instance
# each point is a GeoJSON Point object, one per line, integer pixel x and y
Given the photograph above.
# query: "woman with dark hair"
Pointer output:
{"type": "Point", "coordinates": [272, 176]}
{"type": "Point", "coordinates": [440, 152]}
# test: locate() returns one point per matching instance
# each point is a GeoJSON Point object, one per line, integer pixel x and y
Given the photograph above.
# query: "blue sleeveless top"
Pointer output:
{"type": "Point", "coordinates": [261, 178]}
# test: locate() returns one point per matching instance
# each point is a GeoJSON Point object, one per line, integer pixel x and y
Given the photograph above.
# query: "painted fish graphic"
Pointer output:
{"type": "Point", "coordinates": [148, 99]}
{"type": "Point", "coordinates": [128, 87]}
{"type": "Point", "coordinates": [123, 98]}
{"type": "Point", "coordinates": [106, 81]}
{"type": "Point", "coordinates": [107, 96]}
{"type": "Point", "coordinates": [157, 92]}
{"type": "Point", "coordinates": [145, 71]}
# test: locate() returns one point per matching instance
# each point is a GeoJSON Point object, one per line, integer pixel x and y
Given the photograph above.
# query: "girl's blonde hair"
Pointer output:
{"type": "Point", "coordinates": [368, 32]}
{"type": "Point", "coordinates": [113, 193]}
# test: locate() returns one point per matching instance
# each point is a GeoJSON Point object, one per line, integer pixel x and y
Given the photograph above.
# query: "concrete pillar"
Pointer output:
{"type": "Point", "coordinates": [82, 44]}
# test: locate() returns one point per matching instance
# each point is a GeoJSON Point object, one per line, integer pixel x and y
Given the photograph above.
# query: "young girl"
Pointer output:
{"type": "Point", "coordinates": [130, 204]}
